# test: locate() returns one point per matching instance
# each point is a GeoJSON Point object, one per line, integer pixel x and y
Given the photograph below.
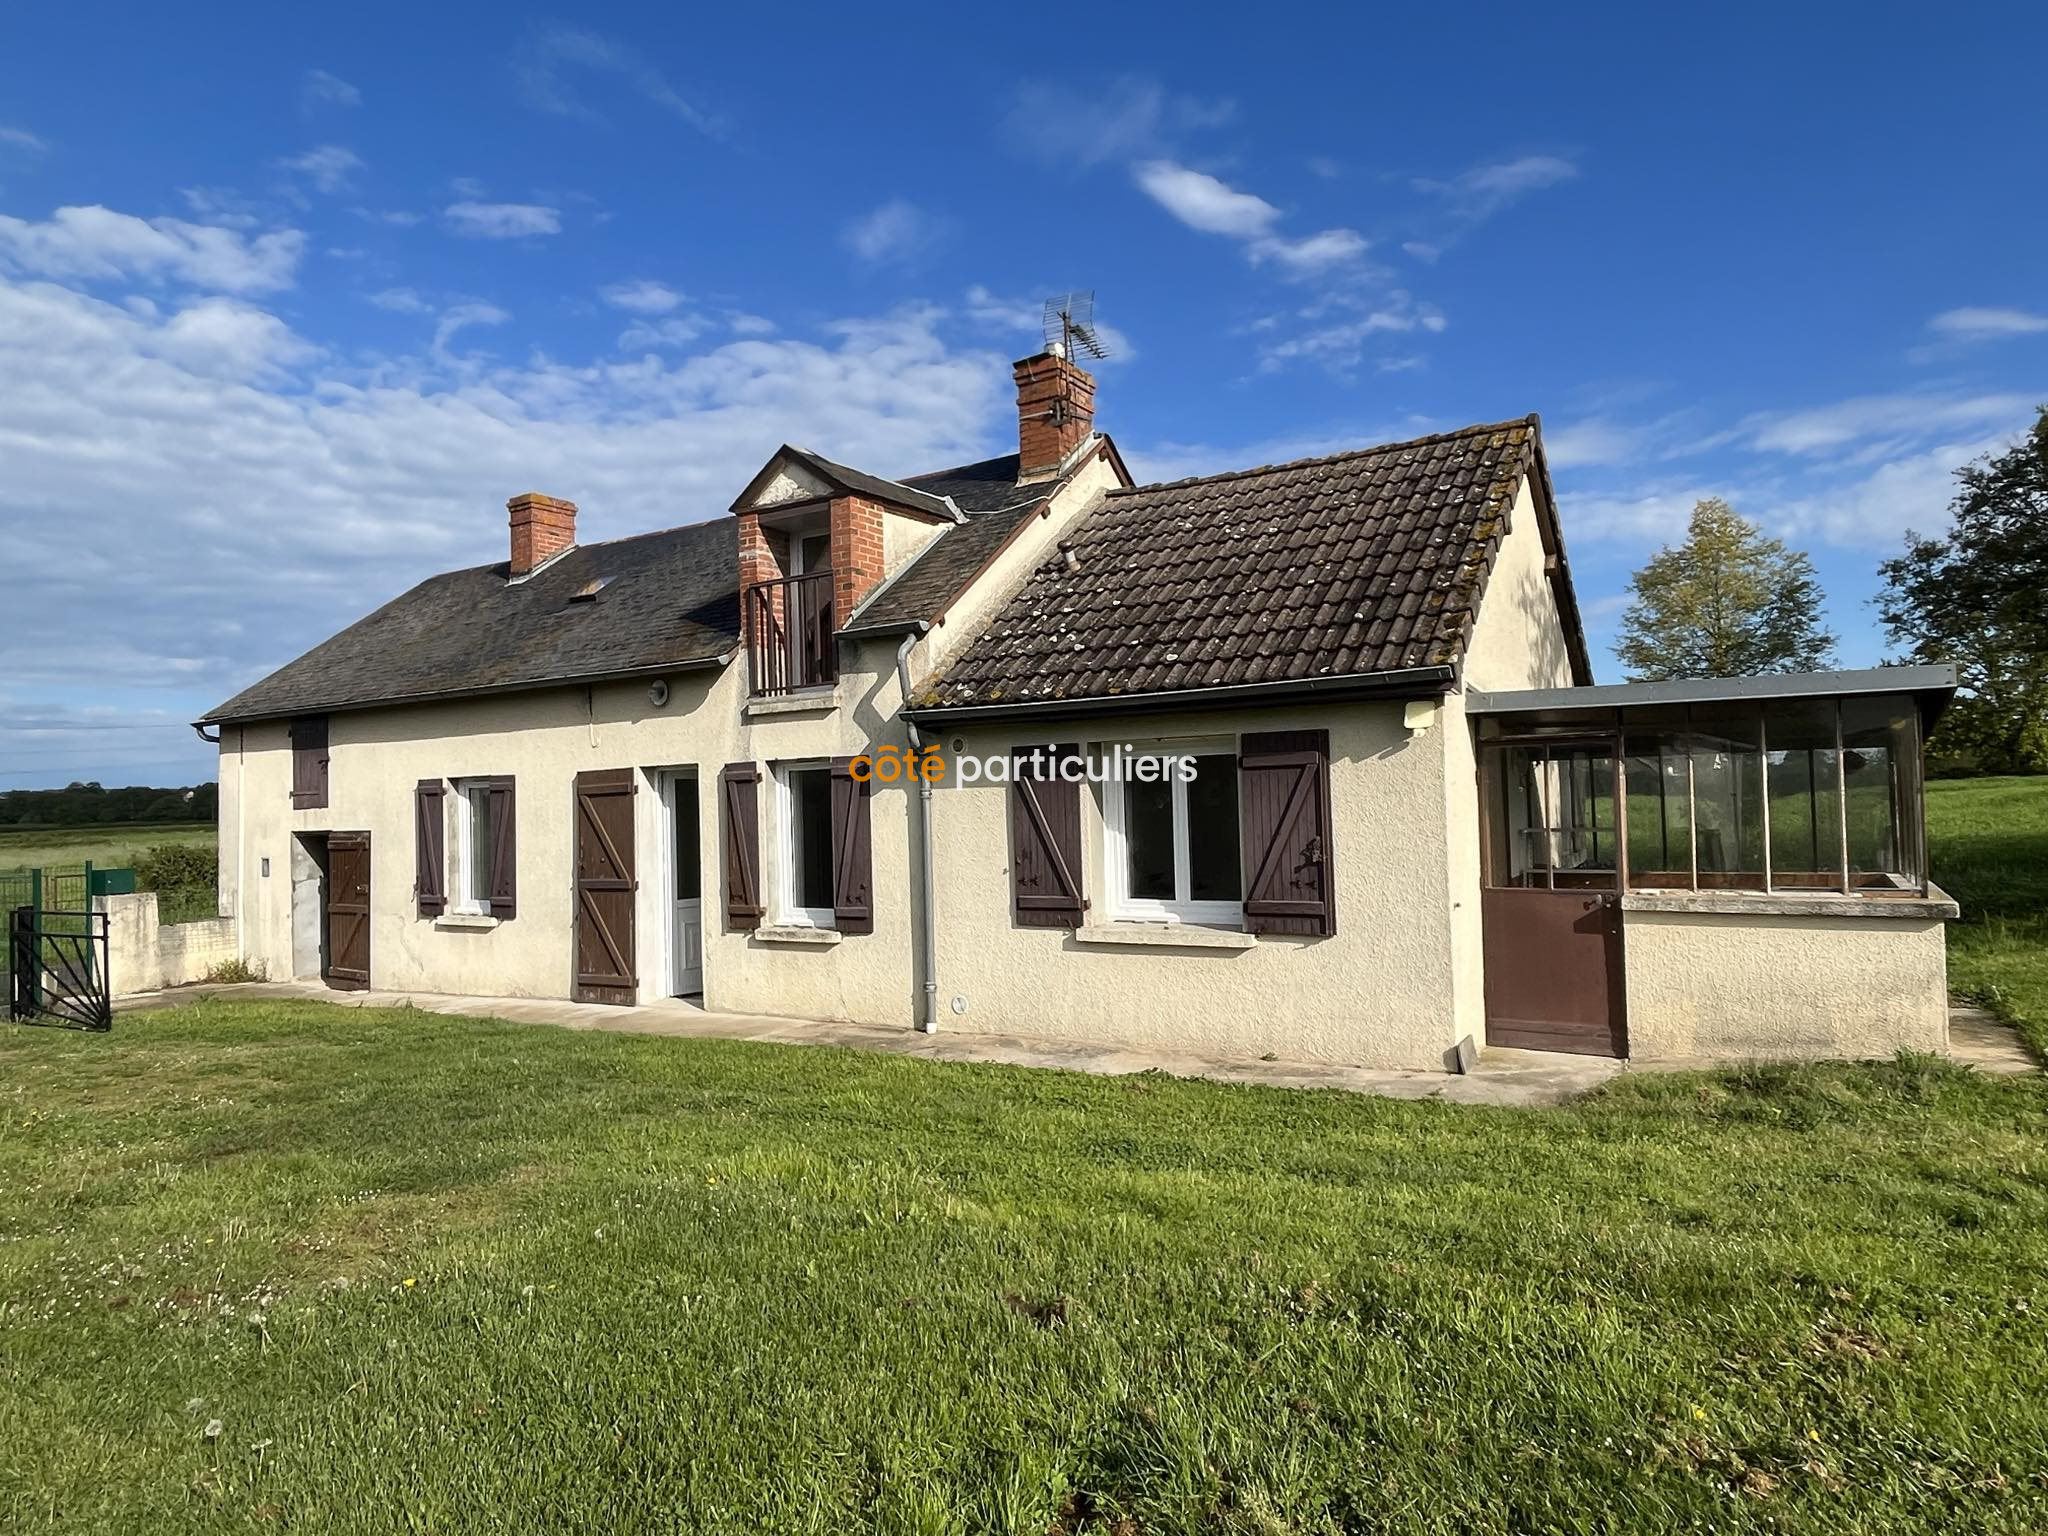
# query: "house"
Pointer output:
{"type": "Point", "coordinates": [1304, 760]}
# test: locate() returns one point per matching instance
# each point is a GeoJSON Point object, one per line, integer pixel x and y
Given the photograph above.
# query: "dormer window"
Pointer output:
{"type": "Point", "coordinates": [791, 619]}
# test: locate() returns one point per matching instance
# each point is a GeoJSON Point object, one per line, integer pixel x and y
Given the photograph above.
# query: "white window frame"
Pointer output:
{"type": "Point", "coordinates": [461, 888]}
{"type": "Point", "coordinates": [787, 913]}
{"type": "Point", "coordinates": [1123, 906]}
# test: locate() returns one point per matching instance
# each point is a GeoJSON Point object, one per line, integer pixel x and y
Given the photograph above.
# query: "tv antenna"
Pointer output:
{"type": "Point", "coordinates": [1070, 325]}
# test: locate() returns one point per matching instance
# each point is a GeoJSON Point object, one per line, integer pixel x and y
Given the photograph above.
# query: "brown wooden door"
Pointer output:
{"type": "Point", "coordinates": [1553, 970]}
{"type": "Point", "coordinates": [605, 886]}
{"type": "Point", "coordinates": [1551, 912]}
{"type": "Point", "coordinates": [348, 911]}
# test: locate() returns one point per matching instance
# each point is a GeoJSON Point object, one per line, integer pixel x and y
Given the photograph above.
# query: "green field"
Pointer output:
{"type": "Point", "coordinates": [114, 846]}
{"type": "Point", "coordinates": [1989, 844]}
{"type": "Point", "coordinates": [106, 847]}
{"type": "Point", "coordinates": [286, 1266]}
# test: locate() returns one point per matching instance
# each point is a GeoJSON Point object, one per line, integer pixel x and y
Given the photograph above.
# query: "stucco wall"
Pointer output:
{"type": "Point", "coordinates": [1518, 640]}
{"type": "Point", "coordinates": [1731, 986]}
{"type": "Point", "coordinates": [143, 956]}
{"type": "Point", "coordinates": [543, 739]}
{"type": "Point", "coordinates": [1380, 990]}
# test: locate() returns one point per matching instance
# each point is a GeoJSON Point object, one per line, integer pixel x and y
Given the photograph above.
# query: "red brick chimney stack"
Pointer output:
{"type": "Point", "coordinates": [542, 527]}
{"type": "Point", "coordinates": [1055, 412]}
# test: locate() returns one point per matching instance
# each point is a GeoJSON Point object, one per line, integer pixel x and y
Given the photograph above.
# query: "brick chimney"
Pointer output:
{"type": "Point", "coordinates": [542, 527]}
{"type": "Point", "coordinates": [1055, 413]}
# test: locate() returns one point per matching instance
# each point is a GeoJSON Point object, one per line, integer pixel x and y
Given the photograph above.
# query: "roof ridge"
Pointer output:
{"type": "Point", "coordinates": [954, 469]}
{"type": "Point", "coordinates": [624, 538]}
{"type": "Point", "coordinates": [1474, 430]}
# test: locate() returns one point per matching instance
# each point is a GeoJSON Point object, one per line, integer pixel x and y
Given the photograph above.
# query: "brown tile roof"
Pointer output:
{"type": "Point", "coordinates": [1363, 562]}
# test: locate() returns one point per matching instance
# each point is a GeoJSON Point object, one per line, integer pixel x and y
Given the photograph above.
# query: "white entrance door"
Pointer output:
{"type": "Point", "coordinates": [686, 928]}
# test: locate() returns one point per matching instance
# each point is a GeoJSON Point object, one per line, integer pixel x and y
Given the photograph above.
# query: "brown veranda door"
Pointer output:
{"type": "Point", "coordinates": [348, 911]}
{"type": "Point", "coordinates": [1550, 915]}
{"type": "Point", "coordinates": [605, 886]}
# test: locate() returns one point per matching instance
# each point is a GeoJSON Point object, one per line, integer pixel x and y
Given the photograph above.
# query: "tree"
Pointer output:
{"type": "Point", "coordinates": [1977, 598]}
{"type": "Point", "coordinates": [1728, 602]}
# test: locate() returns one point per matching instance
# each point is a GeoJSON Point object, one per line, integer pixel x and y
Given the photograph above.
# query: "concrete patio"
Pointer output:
{"type": "Point", "coordinates": [1523, 1079]}
{"type": "Point", "coordinates": [1502, 1077]}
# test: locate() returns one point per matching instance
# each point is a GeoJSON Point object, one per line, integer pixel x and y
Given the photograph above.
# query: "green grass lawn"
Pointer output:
{"type": "Point", "coordinates": [1989, 841]}
{"type": "Point", "coordinates": [107, 847]}
{"type": "Point", "coordinates": [289, 1266]}
{"type": "Point", "coordinates": [271, 1266]}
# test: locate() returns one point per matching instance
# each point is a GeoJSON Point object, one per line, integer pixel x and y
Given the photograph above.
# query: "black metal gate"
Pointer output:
{"type": "Point", "coordinates": [57, 969]}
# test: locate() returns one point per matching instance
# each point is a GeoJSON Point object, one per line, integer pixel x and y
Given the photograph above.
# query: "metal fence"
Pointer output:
{"type": "Point", "coordinates": [59, 890]}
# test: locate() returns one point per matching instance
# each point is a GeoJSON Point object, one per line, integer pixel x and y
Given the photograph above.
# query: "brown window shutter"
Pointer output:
{"type": "Point", "coordinates": [1283, 799]}
{"type": "Point", "coordinates": [853, 860]}
{"type": "Point", "coordinates": [429, 842]}
{"type": "Point", "coordinates": [504, 850]}
{"type": "Point", "coordinates": [309, 763]}
{"type": "Point", "coordinates": [739, 794]}
{"type": "Point", "coordinates": [1045, 843]}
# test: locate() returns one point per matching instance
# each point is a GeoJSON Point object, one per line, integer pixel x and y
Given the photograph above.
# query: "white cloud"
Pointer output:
{"type": "Point", "coordinates": [1485, 189]}
{"type": "Point", "coordinates": [751, 325]}
{"type": "Point", "coordinates": [95, 242]}
{"type": "Point", "coordinates": [651, 335]}
{"type": "Point", "coordinates": [320, 89]}
{"type": "Point", "coordinates": [237, 496]}
{"type": "Point", "coordinates": [548, 60]}
{"type": "Point", "coordinates": [641, 298]}
{"type": "Point", "coordinates": [1314, 253]}
{"type": "Point", "coordinates": [502, 221]}
{"type": "Point", "coordinates": [898, 231]}
{"type": "Point", "coordinates": [1202, 202]}
{"type": "Point", "coordinates": [1130, 117]}
{"type": "Point", "coordinates": [1596, 440]}
{"type": "Point", "coordinates": [228, 339]}
{"type": "Point", "coordinates": [1473, 196]}
{"type": "Point", "coordinates": [21, 138]}
{"type": "Point", "coordinates": [1341, 345]}
{"type": "Point", "coordinates": [401, 301]}
{"type": "Point", "coordinates": [330, 167]}
{"type": "Point", "coordinates": [1899, 417]}
{"type": "Point", "coordinates": [1970, 324]}
{"type": "Point", "coordinates": [461, 316]}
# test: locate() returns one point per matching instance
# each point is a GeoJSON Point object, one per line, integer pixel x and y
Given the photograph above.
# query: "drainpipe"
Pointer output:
{"type": "Point", "coordinates": [926, 907]}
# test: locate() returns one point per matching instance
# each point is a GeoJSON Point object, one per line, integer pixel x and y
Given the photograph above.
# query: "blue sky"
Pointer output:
{"type": "Point", "coordinates": [291, 301]}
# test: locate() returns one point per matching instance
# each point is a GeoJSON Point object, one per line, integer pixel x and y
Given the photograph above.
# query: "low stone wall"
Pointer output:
{"type": "Point", "coordinates": [144, 956]}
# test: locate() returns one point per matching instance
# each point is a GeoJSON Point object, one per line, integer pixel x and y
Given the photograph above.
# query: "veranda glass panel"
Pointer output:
{"type": "Point", "coordinates": [1880, 761]}
{"type": "Point", "coordinates": [1806, 796]}
{"type": "Point", "coordinates": [1659, 814]}
{"type": "Point", "coordinates": [1727, 775]}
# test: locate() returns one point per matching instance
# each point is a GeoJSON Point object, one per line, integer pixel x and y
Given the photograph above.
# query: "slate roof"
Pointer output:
{"type": "Point", "coordinates": [990, 486]}
{"type": "Point", "coordinates": [672, 600]}
{"type": "Point", "coordinates": [902, 493]}
{"type": "Point", "coordinates": [1359, 563]}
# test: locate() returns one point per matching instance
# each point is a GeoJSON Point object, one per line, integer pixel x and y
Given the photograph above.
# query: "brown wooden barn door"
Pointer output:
{"type": "Point", "coordinates": [1550, 916]}
{"type": "Point", "coordinates": [348, 911]}
{"type": "Point", "coordinates": [605, 886]}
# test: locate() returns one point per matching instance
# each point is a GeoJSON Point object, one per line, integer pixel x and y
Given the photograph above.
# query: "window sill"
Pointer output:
{"type": "Point", "coordinates": [805, 701]}
{"type": "Point", "coordinates": [1164, 936]}
{"type": "Point", "coordinates": [1937, 903]}
{"type": "Point", "coordinates": [471, 922]}
{"type": "Point", "coordinates": [797, 934]}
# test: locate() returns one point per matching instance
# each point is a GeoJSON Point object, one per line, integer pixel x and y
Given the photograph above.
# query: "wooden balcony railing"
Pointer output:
{"type": "Point", "coordinates": [789, 633]}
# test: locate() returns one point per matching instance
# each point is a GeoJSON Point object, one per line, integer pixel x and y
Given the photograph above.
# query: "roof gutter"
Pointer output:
{"type": "Point", "coordinates": [925, 912]}
{"type": "Point", "coordinates": [531, 685]}
{"type": "Point", "coordinates": [1355, 685]}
